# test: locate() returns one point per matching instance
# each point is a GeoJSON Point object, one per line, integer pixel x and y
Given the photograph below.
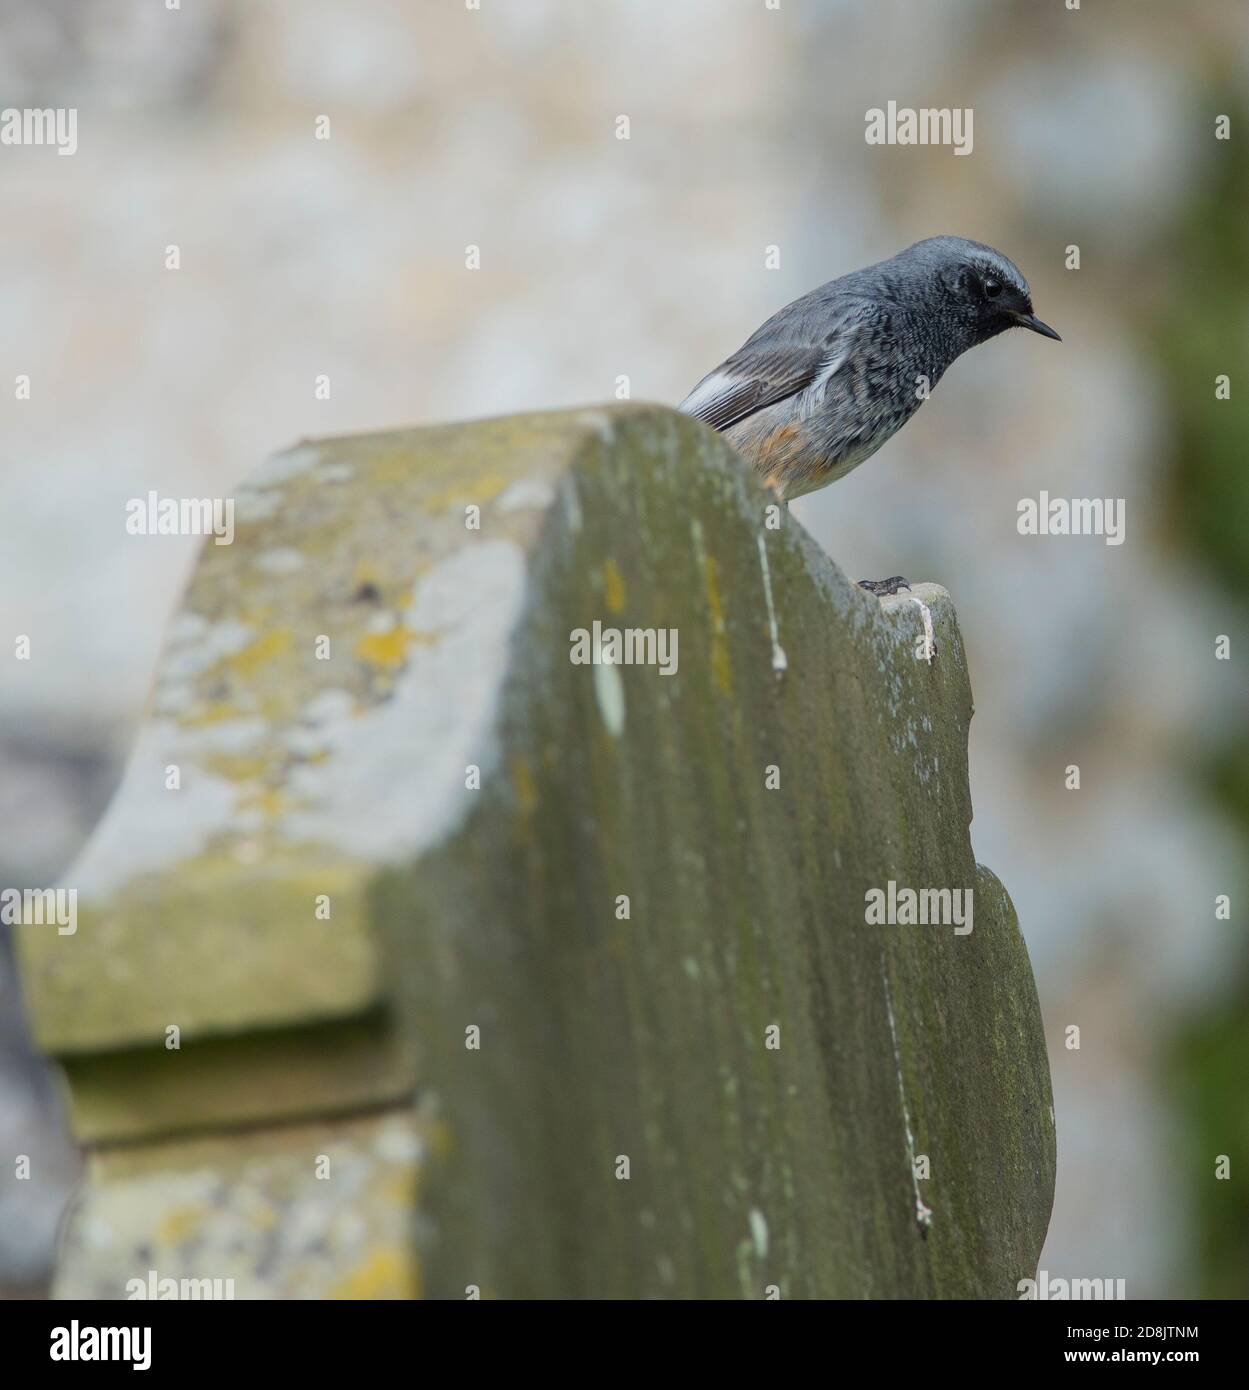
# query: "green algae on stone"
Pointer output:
{"type": "Point", "coordinates": [260, 1078]}
{"type": "Point", "coordinates": [212, 947]}
{"type": "Point", "coordinates": [602, 1039]}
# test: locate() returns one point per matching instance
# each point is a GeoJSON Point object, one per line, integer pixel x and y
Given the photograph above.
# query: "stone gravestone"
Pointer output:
{"type": "Point", "coordinates": [541, 873]}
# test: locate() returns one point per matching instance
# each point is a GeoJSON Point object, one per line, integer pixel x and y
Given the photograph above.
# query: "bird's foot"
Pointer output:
{"type": "Point", "coordinates": [883, 588]}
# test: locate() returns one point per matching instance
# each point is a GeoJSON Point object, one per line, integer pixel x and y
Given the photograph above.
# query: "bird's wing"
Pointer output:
{"type": "Point", "coordinates": [793, 352]}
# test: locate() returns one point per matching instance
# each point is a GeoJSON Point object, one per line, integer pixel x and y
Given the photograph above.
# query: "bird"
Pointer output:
{"type": "Point", "coordinates": [829, 378]}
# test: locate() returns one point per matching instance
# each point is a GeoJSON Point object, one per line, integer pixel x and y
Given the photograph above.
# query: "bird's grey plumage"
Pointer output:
{"type": "Point", "coordinates": [827, 380]}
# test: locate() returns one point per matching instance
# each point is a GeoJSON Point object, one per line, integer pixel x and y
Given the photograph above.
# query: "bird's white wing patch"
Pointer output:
{"type": "Point", "coordinates": [795, 354]}
{"type": "Point", "coordinates": [710, 388]}
{"type": "Point", "coordinates": [814, 394]}
{"type": "Point", "coordinates": [750, 380]}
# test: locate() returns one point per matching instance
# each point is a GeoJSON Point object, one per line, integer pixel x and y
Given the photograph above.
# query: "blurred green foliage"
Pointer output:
{"type": "Point", "coordinates": [1211, 1068]}
{"type": "Point", "coordinates": [1204, 333]}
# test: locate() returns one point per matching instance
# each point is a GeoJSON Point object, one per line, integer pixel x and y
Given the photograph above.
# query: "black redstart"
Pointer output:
{"type": "Point", "coordinates": [823, 384]}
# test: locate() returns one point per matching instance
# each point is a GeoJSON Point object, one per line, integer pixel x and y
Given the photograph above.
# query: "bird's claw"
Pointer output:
{"type": "Point", "coordinates": [884, 588]}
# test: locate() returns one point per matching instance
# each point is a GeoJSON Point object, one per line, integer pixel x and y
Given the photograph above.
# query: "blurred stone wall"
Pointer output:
{"type": "Point", "coordinates": [603, 258]}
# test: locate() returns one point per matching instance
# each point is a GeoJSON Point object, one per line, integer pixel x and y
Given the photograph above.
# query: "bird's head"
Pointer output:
{"type": "Point", "coordinates": [983, 291]}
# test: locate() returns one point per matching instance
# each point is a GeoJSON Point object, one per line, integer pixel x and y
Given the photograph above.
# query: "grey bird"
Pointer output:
{"type": "Point", "coordinates": [827, 380]}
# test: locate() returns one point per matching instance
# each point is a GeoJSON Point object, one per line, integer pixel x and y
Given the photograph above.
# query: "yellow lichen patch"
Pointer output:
{"type": "Point", "coordinates": [208, 712]}
{"type": "Point", "coordinates": [267, 800]}
{"type": "Point", "coordinates": [400, 1188]}
{"type": "Point", "coordinates": [613, 588]}
{"type": "Point", "coordinates": [389, 465]}
{"type": "Point", "coordinates": [239, 767]}
{"type": "Point", "coordinates": [263, 1218]}
{"type": "Point", "coordinates": [440, 1140]}
{"type": "Point", "coordinates": [721, 671]}
{"type": "Point", "coordinates": [388, 650]}
{"type": "Point", "coordinates": [404, 598]}
{"type": "Point", "coordinates": [258, 616]}
{"type": "Point", "coordinates": [176, 1225]}
{"type": "Point", "coordinates": [524, 785]}
{"type": "Point", "coordinates": [386, 1272]}
{"type": "Point", "coordinates": [263, 649]}
{"type": "Point", "coordinates": [275, 707]}
{"type": "Point", "coordinates": [467, 490]}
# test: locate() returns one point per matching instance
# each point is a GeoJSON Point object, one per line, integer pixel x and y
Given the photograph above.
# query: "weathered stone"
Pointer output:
{"type": "Point", "coordinates": [313, 1211]}
{"type": "Point", "coordinates": [280, 1074]}
{"type": "Point", "coordinates": [601, 1038]}
{"type": "Point", "coordinates": [751, 1168]}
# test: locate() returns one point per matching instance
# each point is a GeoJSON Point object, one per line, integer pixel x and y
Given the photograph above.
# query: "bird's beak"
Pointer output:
{"type": "Point", "coordinates": [1031, 321]}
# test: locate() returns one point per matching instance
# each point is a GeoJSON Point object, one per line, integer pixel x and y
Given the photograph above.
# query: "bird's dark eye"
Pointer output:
{"type": "Point", "coordinates": [992, 288]}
